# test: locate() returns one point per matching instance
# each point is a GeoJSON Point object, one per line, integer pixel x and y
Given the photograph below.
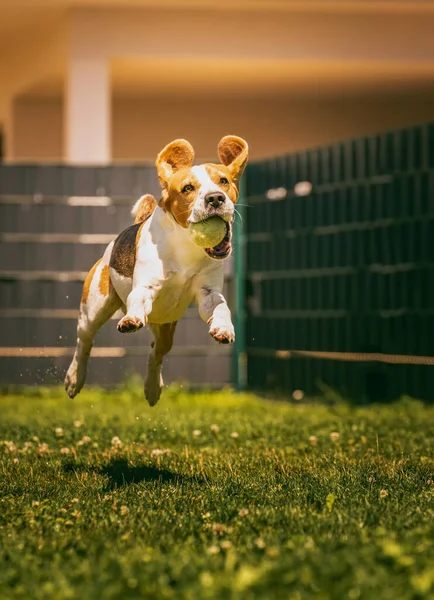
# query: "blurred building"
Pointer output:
{"type": "Point", "coordinates": [102, 81]}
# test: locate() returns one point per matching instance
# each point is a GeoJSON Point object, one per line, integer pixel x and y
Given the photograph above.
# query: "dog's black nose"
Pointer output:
{"type": "Point", "coordinates": [216, 199]}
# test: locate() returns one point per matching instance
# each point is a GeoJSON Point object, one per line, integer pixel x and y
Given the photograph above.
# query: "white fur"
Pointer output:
{"type": "Point", "coordinates": [170, 271]}
{"type": "Point", "coordinates": [96, 311]}
{"type": "Point", "coordinates": [207, 186]}
{"type": "Point", "coordinates": [136, 206]}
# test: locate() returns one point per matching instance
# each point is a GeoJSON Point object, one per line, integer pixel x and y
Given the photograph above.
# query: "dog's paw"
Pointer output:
{"type": "Point", "coordinates": [72, 386]}
{"type": "Point", "coordinates": [153, 389]}
{"type": "Point", "coordinates": [223, 334]}
{"type": "Point", "coordinates": [130, 324]}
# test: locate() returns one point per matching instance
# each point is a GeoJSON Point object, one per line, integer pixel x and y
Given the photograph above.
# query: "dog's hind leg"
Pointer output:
{"type": "Point", "coordinates": [162, 344]}
{"type": "Point", "coordinates": [98, 303]}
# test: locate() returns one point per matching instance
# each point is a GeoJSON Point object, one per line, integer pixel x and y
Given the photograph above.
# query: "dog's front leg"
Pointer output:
{"type": "Point", "coordinates": [214, 310]}
{"type": "Point", "coordinates": [139, 306]}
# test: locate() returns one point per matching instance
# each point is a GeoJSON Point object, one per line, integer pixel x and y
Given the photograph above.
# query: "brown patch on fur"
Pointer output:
{"type": "Point", "coordinates": [216, 172]}
{"type": "Point", "coordinates": [173, 166]}
{"type": "Point", "coordinates": [138, 236]}
{"type": "Point", "coordinates": [146, 207]}
{"type": "Point", "coordinates": [179, 154]}
{"type": "Point", "coordinates": [174, 170]}
{"type": "Point", "coordinates": [163, 337]}
{"type": "Point", "coordinates": [176, 202]}
{"type": "Point", "coordinates": [104, 281]}
{"type": "Point", "coordinates": [233, 152]}
{"type": "Point", "coordinates": [123, 256]}
{"type": "Point", "coordinates": [88, 281]}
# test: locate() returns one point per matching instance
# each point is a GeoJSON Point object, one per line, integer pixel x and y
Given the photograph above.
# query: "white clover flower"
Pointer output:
{"type": "Point", "coordinates": [9, 445]}
{"type": "Point", "coordinates": [160, 452]}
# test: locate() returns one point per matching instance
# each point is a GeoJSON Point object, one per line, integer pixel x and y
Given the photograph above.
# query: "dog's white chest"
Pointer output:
{"type": "Point", "coordinates": [173, 299]}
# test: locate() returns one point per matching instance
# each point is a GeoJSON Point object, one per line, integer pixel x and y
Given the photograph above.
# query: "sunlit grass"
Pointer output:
{"type": "Point", "coordinates": [213, 495]}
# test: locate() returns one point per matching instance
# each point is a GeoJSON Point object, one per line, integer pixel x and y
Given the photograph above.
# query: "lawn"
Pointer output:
{"type": "Point", "coordinates": [214, 495]}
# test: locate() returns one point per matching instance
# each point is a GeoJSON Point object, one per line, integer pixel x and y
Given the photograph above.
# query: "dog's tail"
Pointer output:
{"type": "Point", "coordinates": [143, 208]}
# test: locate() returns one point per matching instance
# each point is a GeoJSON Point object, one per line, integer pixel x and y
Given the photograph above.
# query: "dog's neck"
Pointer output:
{"type": "Point", "coordinates": [179, 241]}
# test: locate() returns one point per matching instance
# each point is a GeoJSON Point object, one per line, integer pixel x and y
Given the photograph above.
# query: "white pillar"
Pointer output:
{"type": "Point", "coordinates": [87, 111]}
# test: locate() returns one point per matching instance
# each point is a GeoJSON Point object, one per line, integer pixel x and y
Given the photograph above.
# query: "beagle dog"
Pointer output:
{"type": "Point", "coordinates": [153, 270]}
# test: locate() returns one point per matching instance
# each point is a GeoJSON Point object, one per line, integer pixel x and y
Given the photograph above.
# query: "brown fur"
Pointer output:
{"type": "Point", "coordinates": [216, 172]}
{"type": "Point", "coordinates": [146, 208]}
{"type": "Point", "coordinates": [174, 163]}
{"type": "Point", "coordinates": [88, 281]}
{"type": "Point", "coordinates": [174, 170]}
{"type": "Point", "coordinates": [138, 236]}
{"type": "Point", "coordinates": [176, 155]}
{"type": "Point", "coordinates": [164, 338]}
{"type": "Point", "coordinates": [123, 256]}
{"type": "Point", "coordinates": [104, 281]}
{"type": "Point", "coordinates": [233, 152]}
{"type": "Point", "coordinates": [174, 201]}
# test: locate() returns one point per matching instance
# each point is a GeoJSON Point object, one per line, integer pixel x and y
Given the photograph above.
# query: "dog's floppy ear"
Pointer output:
{"type": "Point", "coordinates": [177, 155]}
{"type": "Point", "coordinates": [233, 152]}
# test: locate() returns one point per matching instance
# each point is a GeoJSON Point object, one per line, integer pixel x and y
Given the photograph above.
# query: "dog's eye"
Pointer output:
{"type": "Point", "coordinates": [188, 188]}
{"type": "Point", "coordinates": [223, 181]}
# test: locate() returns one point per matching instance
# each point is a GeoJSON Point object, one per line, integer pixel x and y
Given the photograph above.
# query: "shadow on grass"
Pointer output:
{"type": "Point", "coordinates": [121, 474]}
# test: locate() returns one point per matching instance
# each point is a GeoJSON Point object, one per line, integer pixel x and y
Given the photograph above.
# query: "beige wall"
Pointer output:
{"type": "Point", "coordinates": [271, 127]}
{"type": "Point", "coordinates": [142, 127]}
{"type": "Point", "coordinates": [37, 130]}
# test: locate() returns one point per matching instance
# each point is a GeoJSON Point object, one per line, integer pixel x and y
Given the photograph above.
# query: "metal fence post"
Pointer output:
{"type": "Point", "coordinates": [239, 353]}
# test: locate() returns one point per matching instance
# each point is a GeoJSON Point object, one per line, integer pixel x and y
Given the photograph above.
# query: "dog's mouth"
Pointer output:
{"type": "Point", "coordinates": [223, 249]}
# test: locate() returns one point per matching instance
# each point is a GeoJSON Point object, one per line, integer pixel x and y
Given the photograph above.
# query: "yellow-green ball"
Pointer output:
{"type": "Point", "coordinates": [208, 233]}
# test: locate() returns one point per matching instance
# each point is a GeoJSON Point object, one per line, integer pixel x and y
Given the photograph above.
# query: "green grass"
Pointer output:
{"type": "Point", "coordinates": [169, 513]}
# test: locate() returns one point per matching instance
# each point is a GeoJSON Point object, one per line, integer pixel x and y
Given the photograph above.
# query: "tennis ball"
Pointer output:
{"type": "Point", "coordinates": [208, 233]}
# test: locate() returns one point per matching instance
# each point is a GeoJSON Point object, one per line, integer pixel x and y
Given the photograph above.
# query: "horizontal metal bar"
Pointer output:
{"type": "Point", "coordinates": [40, 313]}
{"type": "Point", "coordinates": [101, 201]}
{"type": "Point", "coordinates": [339, 313]}
{"type": "Point", "coordinates": [301, 273]}
{"type": "Point", "coordinates": [337, 228]}
{"type": "Point", "coordinates": [343, 356]}
{"type": "Point", "coordinates": [321, 188]}
{"type": "Point", "coordinates": [58, 238]}
{"type": "Point", "coordinates": [43, 275]}
{"type": "Point", "coordinates": [68, 313]}
{"type": "Point", "coordinates": [110, 352]}
{"type": "Point", "coordinates": [52, 352]}
{"type": "Point", "coordinates": [67, 275]}
{"type": "Point", "coordinates": [336, 271]}
{"type": "Point", "coordinates": [302, 314]}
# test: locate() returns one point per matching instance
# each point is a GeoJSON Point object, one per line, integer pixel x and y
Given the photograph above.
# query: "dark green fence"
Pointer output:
{"type": "Point", "coordinates": [346, 268]}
